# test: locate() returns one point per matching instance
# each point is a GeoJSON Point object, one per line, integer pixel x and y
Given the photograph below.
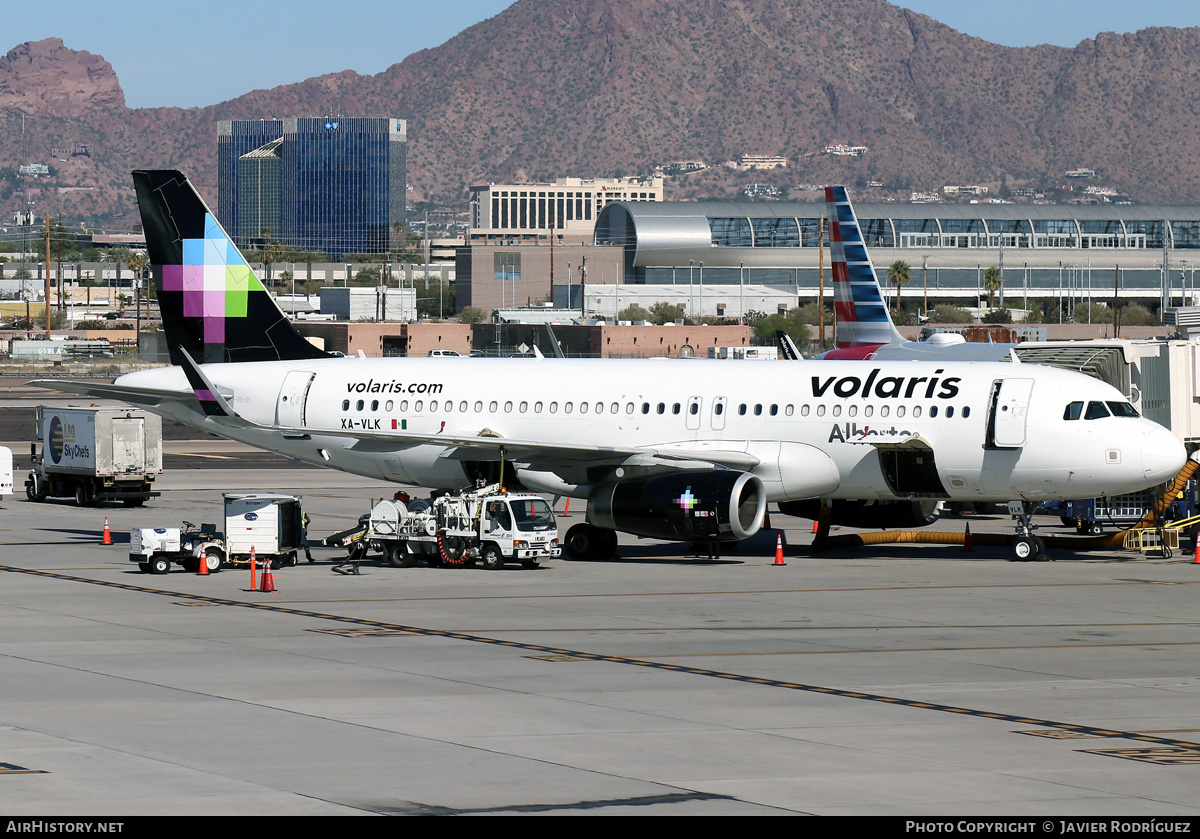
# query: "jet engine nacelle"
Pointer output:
{"type": "Point", "coordinates": [702, 506]}
{"type": "Point", "coordinates": [850, 513]}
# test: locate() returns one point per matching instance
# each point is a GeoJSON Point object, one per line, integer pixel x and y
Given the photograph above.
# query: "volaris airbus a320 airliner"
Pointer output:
{"type": "Point", "coordinates": [670, 449]}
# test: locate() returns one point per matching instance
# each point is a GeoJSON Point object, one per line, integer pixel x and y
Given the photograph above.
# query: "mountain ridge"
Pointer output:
{"type": "Point", "coordinates": [551, 88]}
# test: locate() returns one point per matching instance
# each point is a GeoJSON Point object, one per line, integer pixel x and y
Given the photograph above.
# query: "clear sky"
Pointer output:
{"type": "Point", "coordinates": [195, 54]}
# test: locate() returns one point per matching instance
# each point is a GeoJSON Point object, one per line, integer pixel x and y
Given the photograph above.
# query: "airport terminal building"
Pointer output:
{"type": "Point", "coordinates": [1086, 252]}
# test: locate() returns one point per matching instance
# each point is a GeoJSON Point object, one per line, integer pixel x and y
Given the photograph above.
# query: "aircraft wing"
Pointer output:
{"type": "Point", "coordinates": [133, 395]}
{"type": "Point", "coordinates": [487, 445]}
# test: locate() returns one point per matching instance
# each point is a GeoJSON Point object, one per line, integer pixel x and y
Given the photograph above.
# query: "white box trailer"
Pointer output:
{"type": "Point", "coordinates": [96, 454]}
{"type": "Point", "coordinates": [267, 522]}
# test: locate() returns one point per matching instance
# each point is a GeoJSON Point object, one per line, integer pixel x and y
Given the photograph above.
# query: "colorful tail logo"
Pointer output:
{"type": "Point", "coordinates": [212, 304]}
{"type": "Point", "coordinates": [862, 317]}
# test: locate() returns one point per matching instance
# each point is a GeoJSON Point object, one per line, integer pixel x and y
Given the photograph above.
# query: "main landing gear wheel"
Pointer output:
{"type": "Point", "coordinates": [586, 541]}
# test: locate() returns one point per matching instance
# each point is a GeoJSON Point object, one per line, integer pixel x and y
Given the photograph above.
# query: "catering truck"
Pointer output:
{"type": "Point", "coordinates": [95, 454]}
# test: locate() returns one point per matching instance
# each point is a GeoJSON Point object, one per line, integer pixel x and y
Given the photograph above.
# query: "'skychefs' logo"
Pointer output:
{"type": "Point", "coordinates": [55, 439]}
{"type": "Point", "coordinates": [61, 442]}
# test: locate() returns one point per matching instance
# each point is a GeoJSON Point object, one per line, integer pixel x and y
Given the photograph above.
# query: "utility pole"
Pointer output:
{"type": "Point", "coordinates": [925, 282]}
{"type": "Point", "coordinates": [47, 276]}
{"type": "Point", "coordinates": [583, 292]}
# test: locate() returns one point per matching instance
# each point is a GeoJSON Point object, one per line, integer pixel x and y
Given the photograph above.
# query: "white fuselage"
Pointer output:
{"type": "Point", "coordinates": [815, 426]}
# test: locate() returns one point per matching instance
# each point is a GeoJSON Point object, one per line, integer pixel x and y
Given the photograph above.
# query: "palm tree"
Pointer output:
{"type": "Point", "coordinates": [272, 254]}
{"type": "Point", "coordinates": [138, 263]}
{"type": "Point", "coordinates": [899, 275]}
{"type": "Point", "coordinates": [993, 281]}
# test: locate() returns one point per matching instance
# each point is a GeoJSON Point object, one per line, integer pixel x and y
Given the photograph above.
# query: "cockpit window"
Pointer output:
{"type": "Point", "coordinates": [1096, 410]}
{"type": "Point", "coordinates": [1074, 411]}
{"type": "Point", "coordinates": [1122, 409]}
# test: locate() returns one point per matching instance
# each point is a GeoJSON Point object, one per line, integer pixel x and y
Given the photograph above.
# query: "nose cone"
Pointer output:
{"type": "Point", "coordinates": [1163, 454]}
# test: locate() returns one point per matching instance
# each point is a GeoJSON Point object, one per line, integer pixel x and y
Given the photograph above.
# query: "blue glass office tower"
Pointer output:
{"type": "Point", "coordinates": [343, 183]}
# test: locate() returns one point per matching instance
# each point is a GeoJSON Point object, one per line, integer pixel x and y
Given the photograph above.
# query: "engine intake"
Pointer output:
{"type": "Point", "coordinates": [716, 505]}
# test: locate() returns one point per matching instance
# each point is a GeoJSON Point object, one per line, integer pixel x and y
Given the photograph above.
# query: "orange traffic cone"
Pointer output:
{"type": "Point", "coordinates": [779, 550]}
{"type": "Point", "coordinates": [202, 566]}
{"type": "Point", "coordinates": [967, 546]}
{"type": "Point", "coordinates": [1196, 558]}
{"type": "Point", "coordinates": [815, 524]}
{"type": "Point", "coordinates": [268, 579]}
{"type": "Point", "coordinates": [253, 571]}
{"type": "Point", "coordinates": [107, 540]}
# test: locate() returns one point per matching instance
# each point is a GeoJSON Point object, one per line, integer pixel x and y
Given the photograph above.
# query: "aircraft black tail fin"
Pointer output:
{"type": "Point", "coordinates": [212, 304]}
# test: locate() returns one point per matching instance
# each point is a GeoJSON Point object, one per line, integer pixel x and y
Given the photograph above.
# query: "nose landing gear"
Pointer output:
{"type": "Point", "coordinates": [1025, 546]}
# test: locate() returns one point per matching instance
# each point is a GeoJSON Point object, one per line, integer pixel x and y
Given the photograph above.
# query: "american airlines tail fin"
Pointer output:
{"type": "Point", "coordinates": [862, 316]}
{"type": "Point", "coordinates": [213, 307]}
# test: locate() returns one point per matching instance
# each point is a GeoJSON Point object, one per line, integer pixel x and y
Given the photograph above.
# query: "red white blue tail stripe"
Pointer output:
{"type": "Point", "coordinates": [862, 316]}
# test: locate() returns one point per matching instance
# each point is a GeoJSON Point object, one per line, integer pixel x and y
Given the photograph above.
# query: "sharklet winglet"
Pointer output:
{"type": "Point", "coordinates": [210, 399]}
